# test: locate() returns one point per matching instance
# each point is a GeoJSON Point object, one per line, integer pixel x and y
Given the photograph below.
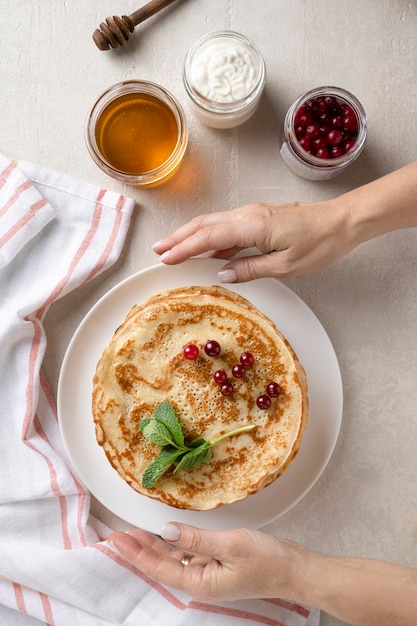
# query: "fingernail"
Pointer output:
{"type": "Point", "coordinates": [170, 532]}
{"type": "Point", "coordinates": [227, 276]}
{"type": "Point", "coordinates": [156, 244]}
{"type": "Point", "coordinates": [164, 256]}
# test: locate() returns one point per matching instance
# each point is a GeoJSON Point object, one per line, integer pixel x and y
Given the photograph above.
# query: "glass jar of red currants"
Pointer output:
{"type": "Point", "coordinates": [324, 132]}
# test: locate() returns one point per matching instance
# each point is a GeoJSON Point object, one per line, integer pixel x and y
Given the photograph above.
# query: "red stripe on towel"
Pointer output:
{"type": "Point", "coordinates": [113, 235]}
{"type": "Point", "coordinates": [20, 601]}
{"type": "Point", "coordinates": [291, 606]}
{"type": "Point", "coordinates": [82, 494]}
{"type": "Point", "coordinates": [33, 209]}
{"type": "Point", "coordinates": [6, 173]}
{"type": "Point", "coordinates": [47, 610]}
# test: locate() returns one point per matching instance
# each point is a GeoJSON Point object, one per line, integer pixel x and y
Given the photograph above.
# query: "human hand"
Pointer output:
{"type": "Point", "coordinates": [292, 239]}
{"type": "Point", "coordinates": [225, 565]}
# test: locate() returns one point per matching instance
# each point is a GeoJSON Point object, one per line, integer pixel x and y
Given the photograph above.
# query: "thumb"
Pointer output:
{"type": "Point", "coordinates": [191, 539]}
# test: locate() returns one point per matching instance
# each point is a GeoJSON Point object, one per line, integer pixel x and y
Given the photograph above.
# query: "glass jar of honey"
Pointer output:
{"type": "Point", "coordinates": [137, 132]}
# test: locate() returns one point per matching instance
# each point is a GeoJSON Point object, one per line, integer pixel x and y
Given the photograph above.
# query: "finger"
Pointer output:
{"type": "Point", "coordinates": [218, 222]}
{"type": "Point", "coordinates": [145, 539]}
{"type": "Point", "coordinates": [148, 540]}
{"type": "Point", "coordinates": [162, 567]}
{"type": "Point", "coordinates": [196, 541]}
{"type": "Point", "coordinates": [219, 238]}
{"type": "Point", "coordinates": [190, 228]}
{"type": "Point", "coordinates": [273, 265]}
{"type": "Point", "coordinates": [225, 254]}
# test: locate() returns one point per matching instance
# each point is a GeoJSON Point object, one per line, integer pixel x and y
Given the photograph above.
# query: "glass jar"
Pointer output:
{"type": "Point", "coordinates": [344, 117]}
{"type": "Point", "coordinates": [137, 132]}
{"type": "Point", "coordinates": [224, 77]}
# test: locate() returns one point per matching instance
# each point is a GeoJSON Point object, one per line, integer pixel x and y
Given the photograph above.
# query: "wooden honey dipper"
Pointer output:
{"type": "Point", "coordinates": [115, 31]}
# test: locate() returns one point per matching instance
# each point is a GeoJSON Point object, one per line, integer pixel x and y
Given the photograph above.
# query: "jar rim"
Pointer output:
{"type": "Point", "coordinates": [342, 94]}
{"type": "Point", "coordinates": [208, 104]}
{"type": "Point", "coordinates": [116, 91]}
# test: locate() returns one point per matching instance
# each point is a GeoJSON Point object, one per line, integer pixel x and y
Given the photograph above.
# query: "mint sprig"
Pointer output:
{"type": "Point", "coordinates": [164, 429]}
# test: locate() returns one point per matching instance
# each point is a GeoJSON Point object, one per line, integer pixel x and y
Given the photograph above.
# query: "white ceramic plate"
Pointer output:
{"type": "Point", "coordinates": [295, 320]}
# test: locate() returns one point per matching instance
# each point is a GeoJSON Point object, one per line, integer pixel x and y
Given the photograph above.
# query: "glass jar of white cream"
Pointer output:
{"type": "Point", "coordinates": [224, 77]}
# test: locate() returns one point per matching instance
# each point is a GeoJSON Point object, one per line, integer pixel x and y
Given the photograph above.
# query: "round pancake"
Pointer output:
{"type": "Point", "coordinates": [144, 365]}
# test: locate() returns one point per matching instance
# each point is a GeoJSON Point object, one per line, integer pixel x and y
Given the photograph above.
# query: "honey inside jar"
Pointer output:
{"type": "Point", "coordinates": [136, 133]}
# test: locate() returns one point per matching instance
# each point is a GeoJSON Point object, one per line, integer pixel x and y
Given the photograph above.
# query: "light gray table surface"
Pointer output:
{"type": "Point", "coordinates": [365, 502]}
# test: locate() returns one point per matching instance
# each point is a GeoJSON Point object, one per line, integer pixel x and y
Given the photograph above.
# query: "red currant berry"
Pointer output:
{"type": "Point", "coordinates": [322, 153]}
{"type": "Point", "coordinates": [304, 119]}
{"type": "Point", "coordinates": [322, 108]}
{"type": "Point", "coordinates": [348, 145]}
{"type": "Point", "coordinates": [313, 131]}
{"type": "Point", "coordinates": [347, 109]}
{"type": "Point", "coordinates": [350, 122]}
{"type": "Point", "coordinates": [191, 352]}
{"type": "Point", "coordinates": [312, 105]}
{"type": "Point", "coordinates": [273, 390]}
{"type": "Point", "coordinates": [334, 137]}
{"type": "Point", "coordinates": [330, 101]}
{"type": "Point", "coordinates": [324, 130]}
{"type": "Point", "coordinates": [212, 348]}
{"type": "Point", "coordinates": [238, 370]}
{"type": "Point", "coordinates": [336, 121]}
{"type": "Point", "coordinates": [227, 389]}
{"type": "Point", "coordinates": [220, 377]}
{"type": "Point", "coordinates": [324, 118]}
{"type": "Point", "coordinates": [305, 143]}
{"type": "Point", "coordinates": [246, 358]}
{"type": "Point", "coordinates": [320, 142]}
{"type": "Point", "coordinates": [299, 131]}
{"type": "Point", "coordinates": [263, 401]}
{"type": "Point", "coordinates": [336, 152]}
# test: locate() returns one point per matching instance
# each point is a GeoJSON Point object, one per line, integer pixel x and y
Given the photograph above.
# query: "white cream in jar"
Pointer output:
{"type": "Point", "coordinates": [224, 77]}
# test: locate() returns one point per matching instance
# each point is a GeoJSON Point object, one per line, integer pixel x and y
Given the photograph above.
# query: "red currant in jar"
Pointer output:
{"type": "Point", "coordinates": [238, 370]}
{"type": "Point", "coordinates": [327, 118]}
{"type": "Point", "coordinates": [348, 145]}
{"type": "Point", "coordinates": [263, 401]}
{"type": "Point", "coordinates": [247, 359]}
{"type": "Point", "coordinates": [322, 153]}
{"type": "Point", "coordinates": [212, 348]}
{"type": "Point", "coordinates": [330, 102]}
{"type": "Point", "coordinates": [305, 143]}
{"type": "Point", "coordinates": [334, 138]}
{"type": "Point", "coordinates": [227, 389]}
{"type": "Point", "coordinates": [336, 152]}
{"type": "Point", "coordinates": [191, 352]}
{"type": "Point", "coordinates": [350, 122]}
{"type": "Point", "coordinates": [312, 131]}
{"type": "Point", "coordinates": [273, 390]}
{"type": "Point", "coordinates": [220, 377]}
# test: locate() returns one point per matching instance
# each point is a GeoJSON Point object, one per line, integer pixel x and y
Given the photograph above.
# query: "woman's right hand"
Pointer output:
{"type": "Point", "coordinates": [292, 239]}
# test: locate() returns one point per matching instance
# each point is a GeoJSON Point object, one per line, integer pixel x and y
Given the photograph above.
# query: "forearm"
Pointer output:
{"type": "Point", "coordinates": [386, 204]}
{"type": "Point", "coordinates": [359, 591]}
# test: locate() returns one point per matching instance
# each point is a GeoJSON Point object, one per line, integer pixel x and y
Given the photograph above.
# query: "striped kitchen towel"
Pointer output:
{"type": "Point", "coordinates": [56, 568]}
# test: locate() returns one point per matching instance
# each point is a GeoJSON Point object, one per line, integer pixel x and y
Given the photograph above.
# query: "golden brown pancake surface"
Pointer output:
{"type": "Point", "coordinates": [144, 365]}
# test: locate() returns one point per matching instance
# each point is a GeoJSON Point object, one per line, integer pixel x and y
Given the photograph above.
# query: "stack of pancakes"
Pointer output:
{"type": "Point", "coordinates": [144, 365]}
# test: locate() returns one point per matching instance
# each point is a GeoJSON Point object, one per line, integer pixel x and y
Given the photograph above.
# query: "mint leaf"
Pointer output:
{"type": "Point", "coordinates": [144, 423]}
{"type": "Point", "coordinates": [196, 443]}
{"type": "Point", "coordinates": [157, 433]}
{"type": "Point", "coordinates": [160, 465]}
{"type": "Point", "coordinates": [195, 457]}
{"type": "Point", "coordinates": [165, 414]}
{"type": "Point", "coordinates": [164, 429]}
